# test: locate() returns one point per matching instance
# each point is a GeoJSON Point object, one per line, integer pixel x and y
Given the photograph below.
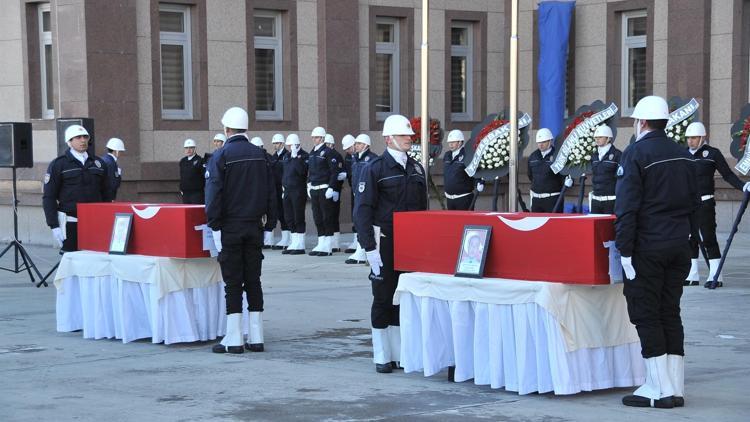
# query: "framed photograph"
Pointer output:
{"type": "Point", "coordinates": [473, 254]}
{"type": "Point", "coordinates": [121, 233]}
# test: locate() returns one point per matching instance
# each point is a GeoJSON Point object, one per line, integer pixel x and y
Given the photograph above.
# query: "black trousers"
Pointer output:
{"type": "Point", "coordinates": [70, 244]}
{"type": "Point", "coordinates": [707, 224]}
{"type": "Point", "coordinates": [240, 260]}
{"type": "Point", "coordinates": [602, 207]}
{"type": "Point", "coordinates": [333, 210]}
{"type": "Point", "coordinates": [271, 224]}
{"type": "Point", "coordinates": [320, 210]}
{"type": "Point", "coordinates": [544, 204]}
{"type": "Point", "coordinates": [653, 299]}
{"type": "Point", "coordinates": [294, 209]}
{"type": "Point", "coordinates": [193, 197]}
{"type": "Point", "coordinates": [383, 312]}
{"type": "Point", "coordinates": [461, 204]}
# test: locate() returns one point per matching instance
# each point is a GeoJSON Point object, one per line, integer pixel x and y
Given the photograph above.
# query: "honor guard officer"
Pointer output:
{"type": "Point", "coordinates": [390, 183]}
{"type": "Point", "coordinates": [657, 196]}
{"type": "Point", "coordinates": [708, 160]}
{"type": "Point", "coordinates": [277, 165]}
{"type": "Point", "coordinates": [459, 187]}
{"type": "Point", "coordinates": [335, 202]}
{"type": "Point", "coordinates": [217, 142]}
{"type": "Point", "coordinates": [294, 182]}
{"type": "Point", "coordinates": [192, 171]}
{"type": "Point", "coordinates": [545, 184]}
{"type": "Point", "coordinates": [239, 194]}
{"type": "Point", "coordinates": [115, 146]}
{"type": "Point", "coordinates": [321, 181]}
{"type": "Point", "coordinates": [72, 178]}
{"type": "Point", "coordinates": [363, 157]}
{"type": "Point", "coordinates": [604, 172]}
{"type": "Point", "coordinates": [270, 224]}
{"type": "Point", "coordinates": [347, 144]}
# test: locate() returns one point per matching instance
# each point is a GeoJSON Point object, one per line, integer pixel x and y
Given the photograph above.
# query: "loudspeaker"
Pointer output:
{"type": "Point", "coordinates": [16, 145]}
{"type": "Point", "coordinates": [64, 122]}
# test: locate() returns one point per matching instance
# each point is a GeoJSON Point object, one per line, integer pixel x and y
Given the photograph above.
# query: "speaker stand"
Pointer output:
{"type": "Point", "coordinates": [25, 263]}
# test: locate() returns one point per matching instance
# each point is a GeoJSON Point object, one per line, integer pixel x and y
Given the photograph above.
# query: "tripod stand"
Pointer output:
{"type": "Point", "coordinates": [25, 264]}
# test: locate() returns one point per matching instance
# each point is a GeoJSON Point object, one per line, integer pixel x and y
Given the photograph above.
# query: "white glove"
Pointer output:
{"type": "Point", "coordinates": [329, 193]}
{"type": "Point", "coordinates": [57, 234]}
{"type": "Point", "coordinates": [342, 176]}
{"type": "Point", "coordinates": [309, 186]}
{"type": "Point", "coordinates": [294, 150]}
{"type": "Point", "coordinates": [627, 265]}
{"type": "Point", "coordinates": [282, 195]}
{"type": "Point", "coordinates": [119, 172]}
{"type": "Point", "coordinates": [217, 239]}
{"type": "Point", "coordinates": [480, 187]}
{"type": "Point", "coordinates": [746, 188]}
{"type": "Point", "coordinates": [335, 196]}
{"type": "Point", "coordinates": [373, 257]}
{"type": "Point", "coordinates": [568, 181]}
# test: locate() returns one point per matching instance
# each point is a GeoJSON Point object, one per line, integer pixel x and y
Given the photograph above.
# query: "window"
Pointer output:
{"type": "Point", "coordinates": [462, 63]}
{"type": "Point", "coordinates": [633, 65]}
{"type": "Point", "coordinates": [387, 68]}
{"type": "Point", "coordinates": [176, 62]}
{"type": "Point", "coordinates": [269, 84]}
{"type": "Point", "coordinates": [45, 62]}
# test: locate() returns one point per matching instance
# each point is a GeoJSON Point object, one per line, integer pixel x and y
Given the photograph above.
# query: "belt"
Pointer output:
{"type": "Point", "coordinates": [543, 195]}
{"type": "Point", "coordinates": [706, 197]}
{"type": "Point", "coordinates": [70, 219]}
{"type": "Point", "coordinates": [319, 187]}
{"type": "Point", "coordinates": [603, 198]}
{"type": "Point", "coordinates": [461, 195]}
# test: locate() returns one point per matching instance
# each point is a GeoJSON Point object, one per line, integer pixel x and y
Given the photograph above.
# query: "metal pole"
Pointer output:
{"type": "Point", "coordinates": [513, 163]}
{"type": "Point", "coordinates": [425, 129]}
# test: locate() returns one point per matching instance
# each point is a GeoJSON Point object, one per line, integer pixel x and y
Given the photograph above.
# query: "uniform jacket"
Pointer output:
{"type": "Point", "coordinates": [113, 174]}
{"type": "Point", "coordinates": [709, 159]}
{"type": "Point", "coordinates": [604, 172]}
{"type": "Point", "coordinates": [277, 166]}
{"type": "Point", "coordinates": [295, 171]}
{"type": "Point", "coordinates": [359, 164]}
{"type": "Point", "coordinates": [456, 181]}
{"type": "Point", "coordinates": [543, 179]}
{"type": "Point", "coordinates": [323, 167]}
{"type": "Point", "coordinates": [339, 162]}
{"type": "Point", "coordinates": [191, 174]}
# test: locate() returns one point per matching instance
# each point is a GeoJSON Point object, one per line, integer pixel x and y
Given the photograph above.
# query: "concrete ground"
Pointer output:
{"type": "Point", "coordinates": [317, 363]}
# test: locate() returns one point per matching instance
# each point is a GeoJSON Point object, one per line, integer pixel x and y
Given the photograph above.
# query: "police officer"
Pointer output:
{"type": "Point", "coordinates": [115, 147]}
{"type": "Point", "coordinates": [72, 178]}
{"type": "Point", "coordinates": [363, 157]}
{"type": "Point", "coordinates": [347, 144]}
{"type": "Point", "coordinates": [321, 183]}
{"type": "Point", "coordinates": [192, 180]}
{"type": "Point", "coordinates": [392, 182]}
{"type": "Point", "coordinates": [657, 196]}
{"type": "Point", "coordinates": [545, 184]}
{"type": "Point", "coordinates": [270, 224]}
{"type": "Point", "coordinates": [239, 194]}
{"type": "Point", "coordinates": [708, 160]}
{"type": "Point", "coordinates": [277, 165]}
{"type": "Point", "coordinates": [604, 172]}
{"type": "Point", "coordinates": [459, 187]}
{"type": "Point", "coordinates": [334, 204]}
{"type": "Point", "coordinates": [294, 182]}
{"type": "Point", "coordinates": [217, 142]}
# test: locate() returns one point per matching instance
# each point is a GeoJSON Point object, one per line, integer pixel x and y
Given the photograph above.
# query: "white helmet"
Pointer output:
{"type": "Point", "coordinates": [235, 118]}
{"type": "Point", "coordinates": [318, 131]}
{"type": "Point", "coordinates": [257, 142]}
{"type": "Point", "coordinates": [603, 131]}
{"type": "Point", "coordinates": [695, 129]}
{"type": "Point", "coordinates": [277, 139]}
{"type": "Point", "coordinates": [221, 137]}
{"type": "Point", "coordinates": [75, 130]}
{"type": "Point", "coordinates": [347, 141]}
{"type": "Point", "coordinates": [189, 143]}
{"type": "Point", "coordinates": [651, 108]}
{"type": "Point", "coordinates": [116, 144]}
{"type": "Point", "coordinates": [329, 139]}
{"type": "Point", "coordinates": [397, 124]}
{"type": "Point", "coordinates": [543, 135]}
{"type": "Point", "coordinates": [455, 136]}
{"type": "Point", "coordinates": [363, 138]}
{"type": "Point", "coordinates": [292, 139]}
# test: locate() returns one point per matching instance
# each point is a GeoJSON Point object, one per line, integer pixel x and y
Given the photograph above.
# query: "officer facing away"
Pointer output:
{"type": "Point", "coordinates": [72, 178]}
{"type": "Point", "coordinates": [657, 196]}
{"type": "Point", "coordinates": [390, 183]}
{"type": "Point", "coordinates": [239, 194]}
{"type": "Point", "coordinates": [192, 181]}
{"type": "Point", "coordinates": [545, 184]}
{"type": "Point", "coordinates": [115, 147]}
{"type": "Point", "coordinates": [604, 172]}
{"type": "Point", "coordinates": [459, 187]}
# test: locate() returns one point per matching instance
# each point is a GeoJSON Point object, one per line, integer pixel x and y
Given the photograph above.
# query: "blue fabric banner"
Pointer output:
{"type": "Point", "coordinates": [554, 31]}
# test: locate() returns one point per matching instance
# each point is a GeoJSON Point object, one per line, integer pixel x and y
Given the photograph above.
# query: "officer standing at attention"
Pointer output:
{"type": "Point", "coordinates": [293, 184]}
{"type": "Point", "coordinates": [72, 178]}
{"type": "Point", "coordinates": [270, 224]}
{"type": "Point", "coordinates": [390, 183]}
{"type": "Point", "coordinates": [239, 193]}
{"type": "Point", "coordinates": [347, 143]}
{"type": "Point", "coordinates": [545, 184]}
{"type": "Point", "coordinates": [277, 165]}
{"type": "Point", "coordinates": [708, 160]}
{"type": "Point", "coordinates": [363, 157]}
{"type": "Point", "coordinates": [115, 146]}
{"type": "Point", "coordinates": [335, 202]}
{"type": "Point", "coordinates": [192, 179]}
{"type": "Point", "coordinates": [604, 172]}
{"type": "Point", "coordinates": [657, 196]}
{"type": "Point", "coordinates": [458, 185]}
{"type": "Point", "coordinates": [217, 142]}
{"type": "Point", "coordinates": [321, 181]}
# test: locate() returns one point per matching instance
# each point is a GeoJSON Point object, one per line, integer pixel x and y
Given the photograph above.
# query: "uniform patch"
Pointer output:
{"type": "Point", "coordinates": [46, 178]}
{"type": "Point", "coordinates": [620, 171]}
{"type": "Point", "coordinates": [333, 160]}
{"type": "Point", "coordinates": [361, 187]}
{"type": "Point", "coordinates": [367, 158]}
{"type": "Point", "coordinates": [323, 153]}
{"type": "Point", "coordinates": [98, 164]}
{"type": "Point", "coordinates": [418, 170]}
{"type": "Point", "coordinates": [195, 162]}
{"type": "Point", "coordinates": [207, 174]}
{"type": "Point", "coordinates": [460, 158]}
{"type": "Point", "coordinates": [611, 157]}
{"type": "Point", "coordinates": [705, 154]}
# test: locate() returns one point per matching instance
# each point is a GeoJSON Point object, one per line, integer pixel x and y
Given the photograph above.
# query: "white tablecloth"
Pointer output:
{"type": "Point", "coordinates": [523, 336]}
{"type": "Point", "coordinates": [133, 297]}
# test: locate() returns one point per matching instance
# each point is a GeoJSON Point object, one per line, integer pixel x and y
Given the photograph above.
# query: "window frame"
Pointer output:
{"type": "Point", "coordinates": [183, 39]}
{"type": "Point", "coordinates": [394, 49]}
{"type": "Point", "coordinates": [275, 43]}
{"type": "Point", "coordinates": [467, 52]}
{"type": "Point", "coordinates": [627, 43]}
{"type": "Point", "coordinates": [45, 39]}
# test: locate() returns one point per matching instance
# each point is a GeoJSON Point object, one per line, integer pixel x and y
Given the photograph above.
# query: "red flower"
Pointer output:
{"type": "Point", "coordinates": [416, 126]}
{"type": "Point", "coordinates": [487, 129]}
{"type": "Point", "coordinates": [577, 121]}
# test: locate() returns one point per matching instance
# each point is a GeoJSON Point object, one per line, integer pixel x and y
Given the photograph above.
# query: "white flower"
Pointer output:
{"type": "Point", "coordinates": [685, 122]}
{"type": "Point", "coordinates": [588, 157]}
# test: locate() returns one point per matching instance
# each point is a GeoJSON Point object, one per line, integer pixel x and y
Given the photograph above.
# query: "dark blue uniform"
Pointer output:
{"type": "Point", "coordinates": [68, 183]}
{"type": "Point", "coordinates": [192, 181]}
{"type": "Point", "coordinates": [458, 184]}
{"type": "Point", "coordinates": [544, 181]}
{"type": "Point", "coordinates": [276, 161]}
{"type": "Point", "coordinates": [603, 180]}
{"type": "Point", "coordinates": [656, 197]}
{"type": "Point", "coordinates": [322, 173]}
{"type": "Point", "coordinates": [334, 207]}
{"type": "Point", "coordinates": [385, 187]}
{"type": "Point", "coordinates": [113, 174]}
{"type": "Point", "coordinates": [239, 193]}
{"type": "Point", "coordinates": [294, 182]}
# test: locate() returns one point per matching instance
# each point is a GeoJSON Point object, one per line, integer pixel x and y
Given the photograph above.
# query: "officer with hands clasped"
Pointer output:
{"type": "Point", "coordinates": [277, 165]}
{"type": "Point", "coordinates": [458, 185]}
{"type": "Point", "coordinates": [192, 169]}
{"type": "Point", "coordinates": [294, 180]}
{"type": "Point", "coordinates": [334, 203]}
{"type": "Point", "coordinates": [604, 172]}
{"type": "Point", "coordinates": [321, 182]}
{"type": "Point", "coordinates": [115, 147]}
{"type": "Point", "coordinates": [545, 184]}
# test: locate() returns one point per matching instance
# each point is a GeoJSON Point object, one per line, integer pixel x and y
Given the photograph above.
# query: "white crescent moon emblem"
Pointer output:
{"type": "Point", "coordinates": [146, 213]}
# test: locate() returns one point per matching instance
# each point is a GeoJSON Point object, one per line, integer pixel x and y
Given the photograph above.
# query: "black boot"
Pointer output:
{"type": "Point", "coordinates": [220, 348]}
{"type": "Point", "coordinates": [383, 368]}
{"type": "Point", "coordinates": [640, 401]}
{"type": "Point", "coordinates": [254, 347]}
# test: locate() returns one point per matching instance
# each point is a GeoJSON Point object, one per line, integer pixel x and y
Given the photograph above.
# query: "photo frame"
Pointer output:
{"type": "Point", "coordinates": [472, 255]}
{"type": "Point", "coordinates": [121, 228]}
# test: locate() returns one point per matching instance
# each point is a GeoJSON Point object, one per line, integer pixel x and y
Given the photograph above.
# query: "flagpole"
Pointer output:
{"type": "Point", "coordinates": [513, 163]}
{"type": "Point", "coordinates": [425, 126]}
